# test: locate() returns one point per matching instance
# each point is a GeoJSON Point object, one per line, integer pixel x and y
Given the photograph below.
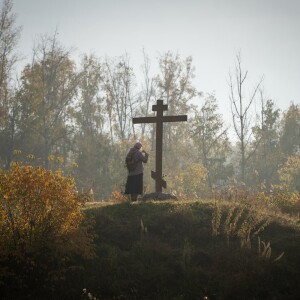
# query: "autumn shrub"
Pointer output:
{"type": "Point", "coordinates": [281, 197]}
{"type": "Point", "coordinates": [42, 236]}
{"type": "Point", "coordinates": [234, 193]}
{"type": "Point", "coordinates": [190, 182]}
{"type": "Point", "coordinates": [289, 174]}
{"type": "Point", "coordinates": [118, 197]}
{"type": "Point", "coordinates": [238, 222]}
{"type": "Point", "coordinates": [190, 250]}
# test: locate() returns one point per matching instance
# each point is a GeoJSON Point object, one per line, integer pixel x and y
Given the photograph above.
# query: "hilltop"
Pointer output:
{"type": "Point", "coordinates": [193, 249]}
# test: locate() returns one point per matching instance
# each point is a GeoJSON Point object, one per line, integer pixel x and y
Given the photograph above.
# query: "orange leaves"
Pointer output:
{"type": "Point", "coordinates": [36, 203]}
{"type": "Point", "coordinates": [117, 196]}
{"type": "Point", "coordinates": [190, 182]}
{"type": "Point", "coordinates": [42, 234]}
{"type": "Point", "coordinates": [289, 174]}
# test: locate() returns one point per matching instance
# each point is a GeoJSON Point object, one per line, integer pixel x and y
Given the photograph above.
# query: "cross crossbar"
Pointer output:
{"type": "Point", "coordinates": [141, 120]}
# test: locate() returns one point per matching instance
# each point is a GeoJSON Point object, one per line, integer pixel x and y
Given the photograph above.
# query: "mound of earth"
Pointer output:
{"type": "Point", "coordinates": [159, 196]}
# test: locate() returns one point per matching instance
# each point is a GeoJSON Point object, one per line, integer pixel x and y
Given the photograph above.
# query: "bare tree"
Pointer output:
{"type": "Point", "coordinates": [90, 110]}
{"type": "Point", "coordinates": [175, 82]}
{"type": "Point", "coordinates": [148, 92]}
{"type": "Point", "coordinates": [175, 87]}
{"type": "Point", "coordinates": [9, 37]}
{"type": "Point", "coordinates": [241, 111]}
{"type": "Point", "coordinates": [118, 85]}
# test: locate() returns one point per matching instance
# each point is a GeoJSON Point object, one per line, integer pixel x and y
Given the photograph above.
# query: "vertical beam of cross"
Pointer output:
{"type": "Point", "coordinates": [157, 175]}
{"type": "Point", "coordinates": [159, 120]}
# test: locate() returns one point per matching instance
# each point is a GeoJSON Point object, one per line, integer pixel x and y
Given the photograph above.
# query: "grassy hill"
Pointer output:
{"type": "Point", "coordinates": [192, 250]}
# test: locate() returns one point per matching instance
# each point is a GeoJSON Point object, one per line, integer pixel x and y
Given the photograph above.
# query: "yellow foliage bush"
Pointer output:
{"type": "Point", "coordinates": [34, 203]}
{"type": "Point", "coordinates": [289, 174]}
{"type": "Point", "coordinates": [191, 181]}
{"type": "Point", "coordinates": [280, 196]}
{"type": "Point", "coordinates": [41, 216]}
{"type": "Point", "coordinates": [117, 196]}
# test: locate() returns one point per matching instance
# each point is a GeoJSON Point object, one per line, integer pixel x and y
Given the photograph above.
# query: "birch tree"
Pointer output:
{"type": "Point", "coordinates": [118, 86]}
{"type": "Point", "coordinates": [175, 87]}
{"type": "Point", "coordinates": [148, 94]}
{"type": "Point", "coordinates": [9, 37]}
{"type": "Point", "coordinates": [241, 111]}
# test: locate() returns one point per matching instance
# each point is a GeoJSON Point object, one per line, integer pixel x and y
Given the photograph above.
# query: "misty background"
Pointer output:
{"type": "Point", "coordinates": [211, 31]}
{"type": "Point", "coordinates": [74, 74]}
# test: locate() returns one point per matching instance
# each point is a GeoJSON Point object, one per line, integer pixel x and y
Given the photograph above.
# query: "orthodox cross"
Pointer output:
{"type": "Point", "coordinates": [159, 120]}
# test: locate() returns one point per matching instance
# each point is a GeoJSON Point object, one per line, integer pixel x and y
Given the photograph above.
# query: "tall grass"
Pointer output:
{"type": "Point", "coordinates": [187, 250]}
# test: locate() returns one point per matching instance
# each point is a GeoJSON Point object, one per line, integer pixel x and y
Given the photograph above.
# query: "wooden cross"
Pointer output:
{"type": "Point", "coordinates": [159, 119]}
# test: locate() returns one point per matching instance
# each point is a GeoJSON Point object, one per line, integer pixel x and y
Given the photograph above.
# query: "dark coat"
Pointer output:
{"type": "Point", "coordinates": [140, 157]}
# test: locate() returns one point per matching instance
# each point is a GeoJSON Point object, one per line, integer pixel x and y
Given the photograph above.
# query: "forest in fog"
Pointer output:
{"type": "Point", "coordinates": [76, 115]}
{"type": "Point", "coordinates": [67, 231]}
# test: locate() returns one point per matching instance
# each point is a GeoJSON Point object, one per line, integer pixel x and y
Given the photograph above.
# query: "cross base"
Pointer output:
{"type": "Point", "coordinates": [159, 196]}
{"type": "Point", "coordinates": [158, 180]}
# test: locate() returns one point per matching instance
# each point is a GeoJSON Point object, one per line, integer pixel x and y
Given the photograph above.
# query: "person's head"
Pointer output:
{"type": "Point", "coordinates": [138, 145]}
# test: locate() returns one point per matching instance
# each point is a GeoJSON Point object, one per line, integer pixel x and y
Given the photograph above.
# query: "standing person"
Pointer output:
{"type": "Point", "coordinates": [134, 162]}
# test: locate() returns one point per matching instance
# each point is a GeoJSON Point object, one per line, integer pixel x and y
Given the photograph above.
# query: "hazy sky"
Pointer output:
{"type": "Point", "coordinates": [266, 32]}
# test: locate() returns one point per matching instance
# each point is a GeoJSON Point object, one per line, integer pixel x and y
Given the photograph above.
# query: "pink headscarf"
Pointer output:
{"type": "Point", "coordinates": [137, 145]}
